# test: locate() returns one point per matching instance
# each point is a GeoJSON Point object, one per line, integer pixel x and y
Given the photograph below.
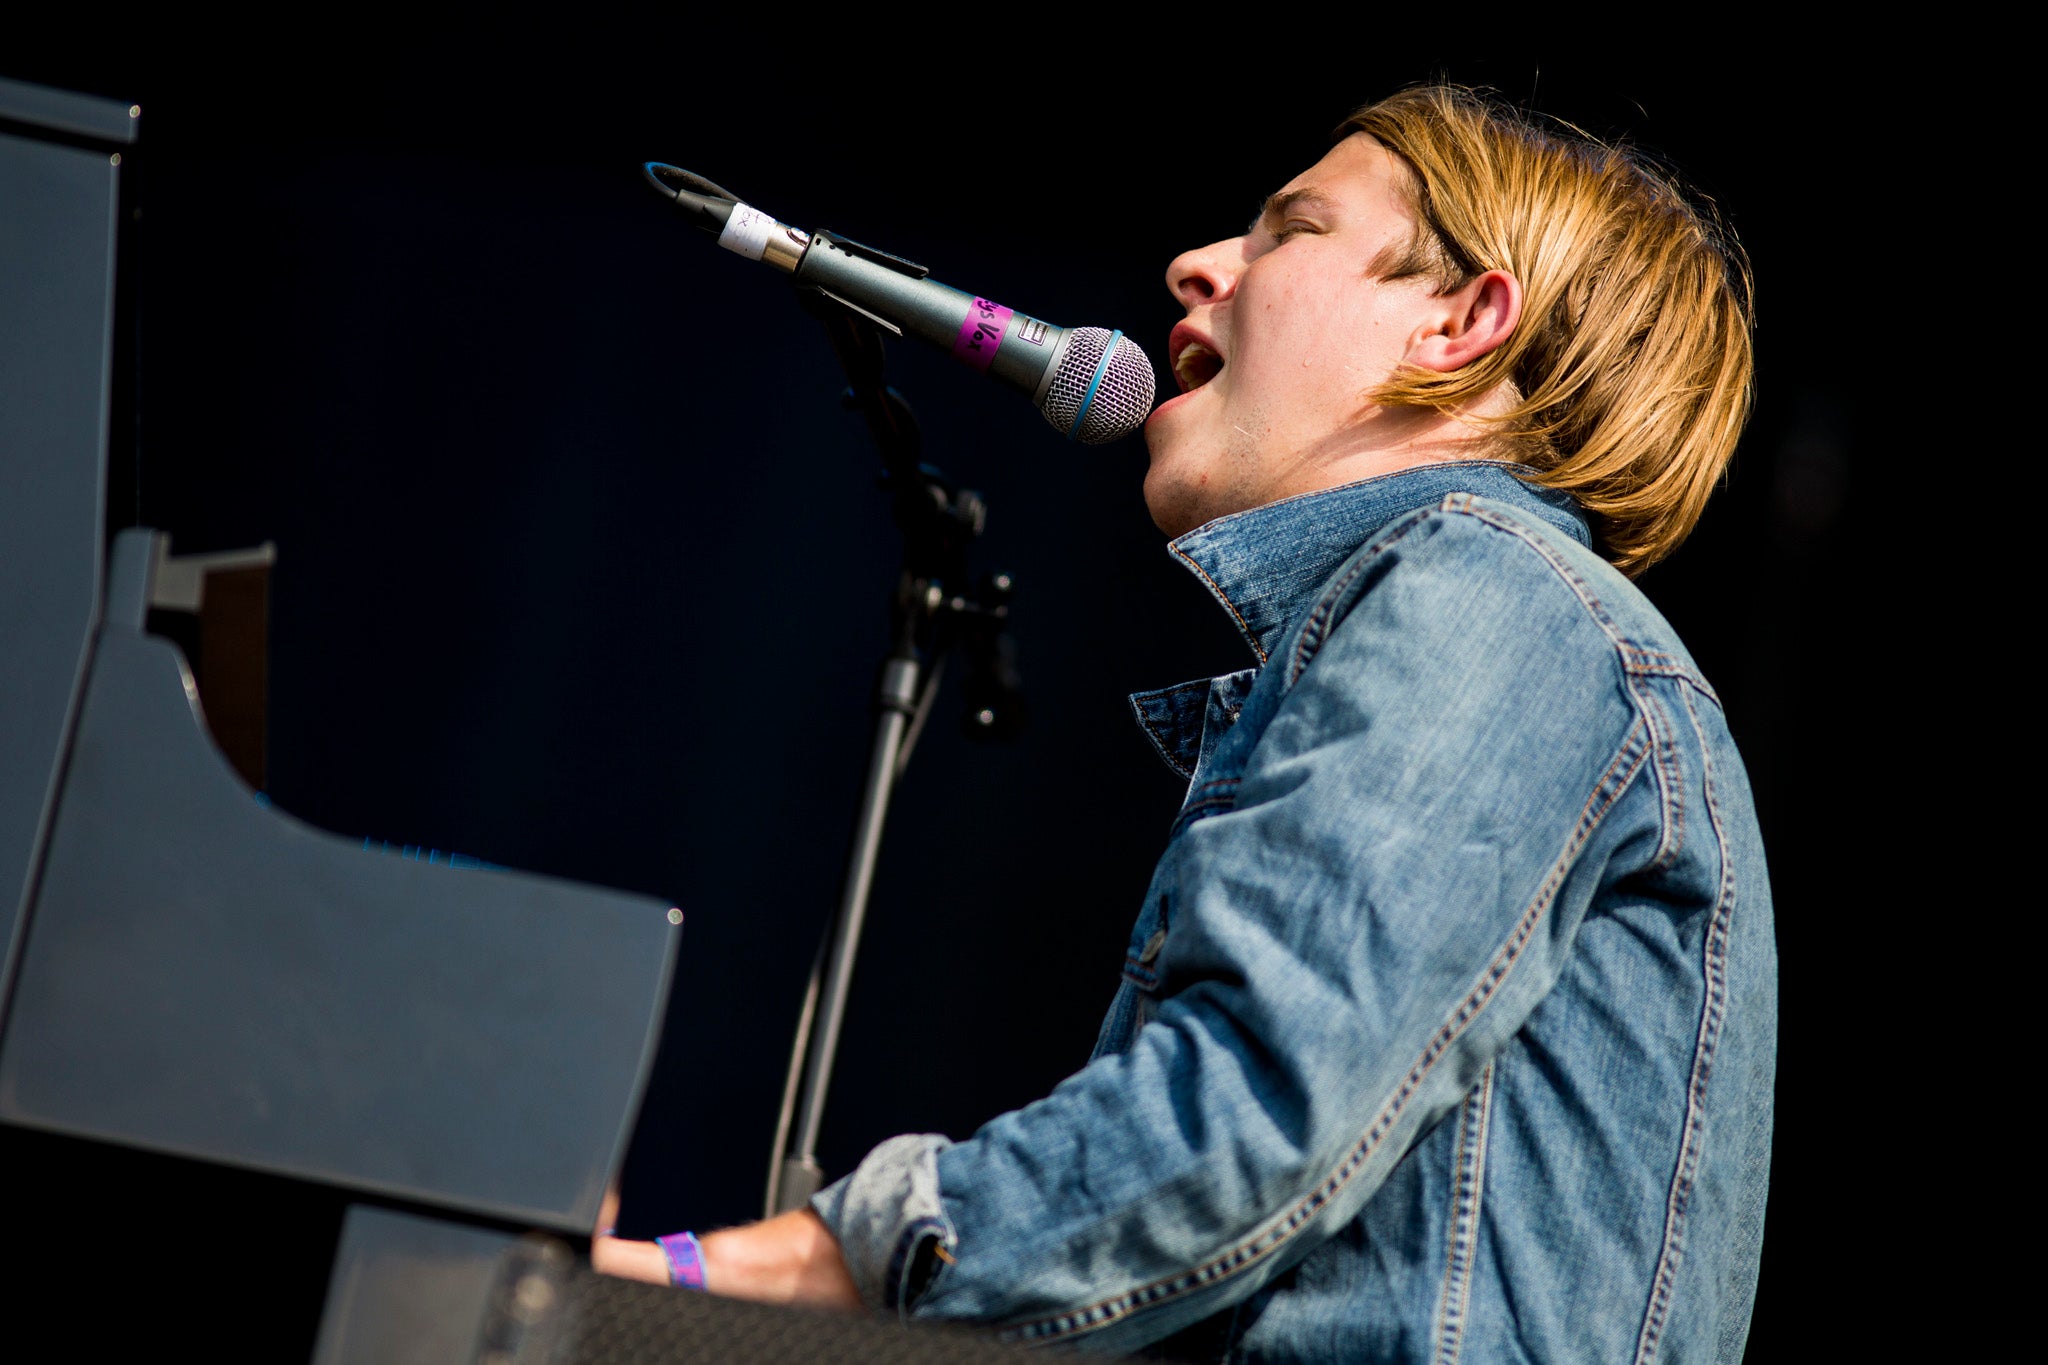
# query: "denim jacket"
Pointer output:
{"type": "Point", "coordinates": [1447, 1025]}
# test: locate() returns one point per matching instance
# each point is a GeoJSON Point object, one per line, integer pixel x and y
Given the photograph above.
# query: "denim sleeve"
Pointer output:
{"type": "Point", "coordinates": [1374, 882]}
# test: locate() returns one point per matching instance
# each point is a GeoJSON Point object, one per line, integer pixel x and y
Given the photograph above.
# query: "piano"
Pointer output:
{"type": "Point", "coordinates": [265, 1090]}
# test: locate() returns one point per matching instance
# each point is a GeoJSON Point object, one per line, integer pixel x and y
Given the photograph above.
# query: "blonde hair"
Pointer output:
{"type": "Point", "coordinates": [1630, 370]}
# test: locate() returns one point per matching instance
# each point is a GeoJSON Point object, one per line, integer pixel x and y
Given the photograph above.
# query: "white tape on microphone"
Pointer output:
{"type": "Point", "coordinates": [746, 232]}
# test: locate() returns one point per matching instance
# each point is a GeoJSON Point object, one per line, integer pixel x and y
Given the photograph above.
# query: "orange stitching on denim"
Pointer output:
{"type": "Point", "coordinates": [1443, 1299]}
{"type": "Point", "coordinates": [1210, 798]}
{"type": "Point", "coordinates": [1670, 781]}
{"type": "Point", "coordinates": [1159, 743]}
{"type": "Point", "coordinates": [1635, 657]}
{"type": "Point", "coordinates": [1468, 1186]}
{"type": "Point", "coordinates": [1313, 626]}
{"type": "Point", "coordinates": [1636, 661]}
{"type": "Point", "coordinates": [1713, 1012]}
{"type": "Point", "coordinates": [1223, 597]}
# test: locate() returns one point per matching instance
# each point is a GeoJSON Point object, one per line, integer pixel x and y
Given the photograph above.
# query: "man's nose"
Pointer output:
{"type": "Point", "coordinates": [1205, 275]}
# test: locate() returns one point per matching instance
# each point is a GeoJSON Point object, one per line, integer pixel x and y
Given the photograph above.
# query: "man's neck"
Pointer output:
{"type": "Point", "coordinates": [1404, 438]}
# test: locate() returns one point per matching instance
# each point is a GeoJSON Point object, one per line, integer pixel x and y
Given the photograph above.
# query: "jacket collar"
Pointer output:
{"type": "Point", "coordinates": [1265, 564]}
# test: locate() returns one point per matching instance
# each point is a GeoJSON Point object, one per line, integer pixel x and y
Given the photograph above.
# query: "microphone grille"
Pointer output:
{"type": "Point", "coordinates": [1122, 398]}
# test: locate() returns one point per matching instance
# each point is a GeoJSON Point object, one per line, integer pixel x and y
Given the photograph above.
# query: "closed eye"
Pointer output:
{"type": "Point", "coordinates": [1279, 217]}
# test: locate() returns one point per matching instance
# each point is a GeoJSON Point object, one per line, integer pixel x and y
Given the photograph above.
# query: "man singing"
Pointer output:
{"type": "Point", "coordinates": [1447, 1025]}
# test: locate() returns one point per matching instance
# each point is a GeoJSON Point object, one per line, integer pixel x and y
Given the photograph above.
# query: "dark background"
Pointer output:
{"type": "Point", "coordinates": [581, 568]}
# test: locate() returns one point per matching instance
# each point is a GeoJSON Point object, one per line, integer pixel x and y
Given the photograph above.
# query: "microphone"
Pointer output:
{"type": "Point", "coordinates": [1093, 385]}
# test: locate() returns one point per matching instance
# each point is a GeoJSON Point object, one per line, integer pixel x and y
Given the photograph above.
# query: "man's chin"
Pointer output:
{"type": "Point", "coordinates": [1161, 502]}
{"type": "Point", "coordinates": [1177, 498]}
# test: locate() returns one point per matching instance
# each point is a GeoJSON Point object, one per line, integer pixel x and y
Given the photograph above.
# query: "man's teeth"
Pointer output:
{"type": "Point", "coordinates": [1196, 365]}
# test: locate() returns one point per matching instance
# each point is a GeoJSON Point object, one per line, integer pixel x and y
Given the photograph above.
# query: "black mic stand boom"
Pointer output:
{"type": "Point", "coordinates": [930, 615]}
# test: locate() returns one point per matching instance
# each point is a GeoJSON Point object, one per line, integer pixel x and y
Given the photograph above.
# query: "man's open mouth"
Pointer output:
{"type": "Point", "coordinates": [1195, 365]}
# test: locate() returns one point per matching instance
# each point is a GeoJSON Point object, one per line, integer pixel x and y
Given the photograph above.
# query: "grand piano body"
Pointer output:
{"type": "Point", "coordinates": [266, 1093]}
{"type": "Point", "coordinates": [228, 1040]}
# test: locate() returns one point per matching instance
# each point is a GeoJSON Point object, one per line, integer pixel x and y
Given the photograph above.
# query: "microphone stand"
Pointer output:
{"type": "Point", "coordinates": [931, 614]}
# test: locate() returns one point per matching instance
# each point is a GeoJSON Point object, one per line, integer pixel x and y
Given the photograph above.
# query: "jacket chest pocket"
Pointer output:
{"type": "Point", "coordinates": [1137, 994]}
{"type": "Point", "coordinates": [1225, 702]}
{"type": "Point", "coordinates": [1142, 966]}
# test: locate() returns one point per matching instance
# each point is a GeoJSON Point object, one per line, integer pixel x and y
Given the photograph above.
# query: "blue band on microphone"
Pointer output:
{"type": "Point", "coordinates": [1101, 369]}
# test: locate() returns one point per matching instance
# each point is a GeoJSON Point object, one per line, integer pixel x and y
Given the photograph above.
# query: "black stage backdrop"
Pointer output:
{"type": "Point", "coordinates": [582, 570]}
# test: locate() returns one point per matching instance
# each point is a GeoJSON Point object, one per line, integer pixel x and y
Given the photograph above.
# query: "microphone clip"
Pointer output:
{"type": "Point", "coordinates": [827, 240]}
{"type": "Point", "coordinates": [875, 254]}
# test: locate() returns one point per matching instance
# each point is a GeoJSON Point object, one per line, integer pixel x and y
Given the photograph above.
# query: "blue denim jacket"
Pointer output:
{"type": "Point", "coordinates": [1447, 1026]}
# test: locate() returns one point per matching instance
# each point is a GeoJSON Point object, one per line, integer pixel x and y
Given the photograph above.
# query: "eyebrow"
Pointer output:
{"type": "Point", "coordinates": [1278, 206]}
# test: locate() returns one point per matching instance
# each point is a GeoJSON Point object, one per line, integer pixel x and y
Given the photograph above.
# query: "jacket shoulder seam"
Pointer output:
{"type": "Point", "coordinates": [1636, 659]}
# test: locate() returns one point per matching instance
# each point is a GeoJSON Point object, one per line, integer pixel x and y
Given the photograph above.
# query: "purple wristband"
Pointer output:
{"type": "Point", "coordinates": [685, 1259]}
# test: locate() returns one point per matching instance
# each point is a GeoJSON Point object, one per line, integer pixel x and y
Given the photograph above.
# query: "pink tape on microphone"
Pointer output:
{"type": "Point", "coordinates": [981, 334]}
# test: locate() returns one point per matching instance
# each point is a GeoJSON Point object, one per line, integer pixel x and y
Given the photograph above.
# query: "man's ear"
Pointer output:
{"type": "Point", "coordinates": [1468, 322]}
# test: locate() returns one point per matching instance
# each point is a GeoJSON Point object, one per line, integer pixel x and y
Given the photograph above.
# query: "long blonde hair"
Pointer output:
{"type": "Point", "coordinates": [1631, 367]}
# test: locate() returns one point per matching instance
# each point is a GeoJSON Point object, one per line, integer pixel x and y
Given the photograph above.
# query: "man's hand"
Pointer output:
{"type": "Point", "coordinates": [791, 1258]}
